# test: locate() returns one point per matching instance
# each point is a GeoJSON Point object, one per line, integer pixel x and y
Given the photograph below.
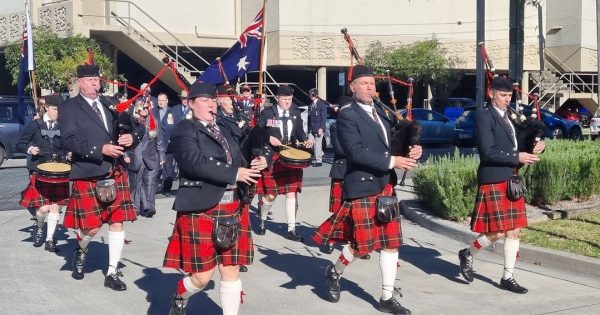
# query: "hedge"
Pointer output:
{"type": "Point", "coordinates": [567, 171]}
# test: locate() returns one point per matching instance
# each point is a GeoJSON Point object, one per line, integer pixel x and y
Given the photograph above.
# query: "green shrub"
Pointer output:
{"type": "Point", "coordinates": [567, 170]}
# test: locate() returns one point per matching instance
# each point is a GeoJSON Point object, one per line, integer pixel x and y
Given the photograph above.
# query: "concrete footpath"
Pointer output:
{"type": "Point", "coordinates": [286, 277]}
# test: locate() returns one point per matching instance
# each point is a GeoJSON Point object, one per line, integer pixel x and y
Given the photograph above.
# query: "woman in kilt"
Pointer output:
{"type": "Point", "coordinates": [41, 139]}
{"type": "Point", "coordinates": [495, 216]}
{"type": "Point", "coordinates": [211, 167]}
{"type": "Point", "coordinates": [363, 130]}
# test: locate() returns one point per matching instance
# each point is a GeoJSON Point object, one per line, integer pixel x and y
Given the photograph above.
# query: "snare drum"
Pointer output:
{"type": "Point", "coordinates": [53, 172]}
{"type": "Point", "coordinates": [294, 158]}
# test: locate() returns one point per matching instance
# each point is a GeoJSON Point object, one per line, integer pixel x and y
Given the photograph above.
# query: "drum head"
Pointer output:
{"type": "Point", "coordinates": [54, 168]}
{"type": "Point", "coordinates": [295, 155]}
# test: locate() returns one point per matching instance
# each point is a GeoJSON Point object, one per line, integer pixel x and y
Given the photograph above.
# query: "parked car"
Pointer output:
{"type": "Point", "coordinates": [9, 126]}
{"type": "Point", "coordinates": [455, 106]}
{"type": "Point", "coordinates": [556, 126]}
{"type": "Point", "coordinates": [575, 112]}
{"type": "Point", "coordinates": [437, 128]}
{"type": "Point", "coordinates": [594, 127]}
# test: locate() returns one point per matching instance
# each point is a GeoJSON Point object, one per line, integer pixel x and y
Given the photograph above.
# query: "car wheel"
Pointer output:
{"type": "Point", "coordinates": [2, 155]}
{"type": "Point", "coordinates": [575, 133]}
{"type": "Point", "coordinates": [558, 133]}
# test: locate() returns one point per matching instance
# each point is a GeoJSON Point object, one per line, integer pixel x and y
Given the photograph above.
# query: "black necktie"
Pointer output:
{"type": "Point", "coordinates": [219, 136]}
{"type": "Point", "coordinates": [97, 110]}
{"type": "Point", "coordinates": [284, 120]}
{"type": "Point", "coordinates": [508, 124]}
{"type": "Point", "coordinates": [374, 114]}
{"type": "Point", "coordinates": [50, 124]}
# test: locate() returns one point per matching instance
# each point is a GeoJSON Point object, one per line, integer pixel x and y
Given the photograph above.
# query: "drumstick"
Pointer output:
{"type": "Point", "coordinates": [287, 146]}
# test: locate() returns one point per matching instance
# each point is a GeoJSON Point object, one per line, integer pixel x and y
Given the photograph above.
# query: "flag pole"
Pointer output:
{"type": "Point", "coordinates": [32, 77]}
{"type": "Point", "coordinates": [262, 50]}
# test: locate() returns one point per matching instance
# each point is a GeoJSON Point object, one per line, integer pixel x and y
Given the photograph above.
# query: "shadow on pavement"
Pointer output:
{"type": "Point", "coordinates": [308, 271]}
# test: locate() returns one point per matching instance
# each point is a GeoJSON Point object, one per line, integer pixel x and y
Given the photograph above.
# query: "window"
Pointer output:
{"type": "Point", "coordinates": [8, 113]}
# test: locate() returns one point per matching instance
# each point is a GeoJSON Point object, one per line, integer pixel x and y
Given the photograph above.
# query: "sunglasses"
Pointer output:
{"type": "Point", "coordinates": [245, 90]}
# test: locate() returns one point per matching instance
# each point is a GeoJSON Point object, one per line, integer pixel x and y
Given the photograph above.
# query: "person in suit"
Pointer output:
{"type": "Point", "coordinates": [284, 125]}
{"type": "Point", "coordinates": [317, 117]}
{"type": "Point", "coordinates": [42, 141]}
{"type": "Point", "coordinates": [494, 215]}
{"type": "Point", "coordinates": [94, 134]}
{"type": "Point", "coordinates": [182, 111]}
{"type": "Point", "coordinates": [143, 162]}
{"type": "Point", "coordinates": [167, 118]}
{"type": "Point", "coordinates": [245, 103]}
{"type": "Point", "coordinates": [363, 130]}
{"type": "Point", "coordinates": [212, 168]}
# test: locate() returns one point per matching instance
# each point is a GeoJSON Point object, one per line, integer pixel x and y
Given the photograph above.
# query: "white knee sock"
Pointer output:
{"type": "Point", "coordinates": [388, 263]}
{"type": "Point", "coordinates": [479, 244]}
{"type": "Point", "coordinates": [344, 260]}
{"type": "Point", "coordinates": [52, 222]}
{"type": "Point", "coordinates": [265, 208]}
{"type": "Point", "coordinates": [230, 295]}
{"type": "Point", "coordinates": [511, 247]}
{"type": "Point", "coordinates": [290, 210]}
{"type": "Point", "coordinates": [84, 240]}
{"type": "Point", "coordinates": [185, 288]}
{"type": "Point", "coordinates": [116, 240]}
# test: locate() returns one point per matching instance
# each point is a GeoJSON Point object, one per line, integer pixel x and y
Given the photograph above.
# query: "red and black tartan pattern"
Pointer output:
{"type": "Point", "coordinates": [279, 179]}
{"type": "Point", "coordinates": [191, 247]}
{"type": "Point", "coordinates": [85, 212]}
{"type": "Point", "coordinates": [356, 222]}
{"type": "Point", "coordinates": [39, 193]}
{"type": "Point", "coordinates": [335, 194]}
{"type": "Point", "coordinates": [494, 212]}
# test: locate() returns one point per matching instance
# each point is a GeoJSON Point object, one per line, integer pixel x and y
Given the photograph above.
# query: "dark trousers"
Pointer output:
{"type": "Point", "coordinates": [167, 173]}
{"type": "Point", "coordinates": [143, 188]}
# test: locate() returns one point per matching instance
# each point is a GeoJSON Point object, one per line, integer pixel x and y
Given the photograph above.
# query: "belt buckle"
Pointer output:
{"type": "Point", "coordinates": [227, 197]}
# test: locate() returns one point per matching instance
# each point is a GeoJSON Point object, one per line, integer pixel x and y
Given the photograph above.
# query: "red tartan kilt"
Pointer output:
{"type": "Point", "coordinates": [279, 179]}
{"type": "Point", "coordinates": [85, 212]}
{"type": "Point", "coordinates": [39, 193]}
{"type": "Point", "coordinates": [356, 222]}
{"type": "Point", "coordinates": [493, 211]}
{"type": "Point", "coordinates": [335, 194]}
{"type": "Point", "coordinates": [191, 247]}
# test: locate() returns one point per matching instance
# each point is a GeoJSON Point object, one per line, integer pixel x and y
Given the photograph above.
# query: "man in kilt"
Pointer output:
{"type": "Point", "coordinates": [363, 130]}
{"type": "Point", "coordinates": [212, 169]}
{"type": "Point", "coordinates": [284, 125]}
{"type": "Point", "coordinates": [90, 130]}
{"type": "Point", "coordinates": [494, 215]}
{"type": "Point", "coordinates": [41, 139]}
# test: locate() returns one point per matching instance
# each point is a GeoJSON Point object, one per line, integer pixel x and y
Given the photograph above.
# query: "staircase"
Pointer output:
{"type": "Point", "coordinates": [559, 83]}
{"type": "Point", "coordinates": [134, 39]}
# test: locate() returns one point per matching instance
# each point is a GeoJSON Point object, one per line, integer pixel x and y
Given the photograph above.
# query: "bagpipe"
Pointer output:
{"type": "Point", "coordinates": [529, 129]}
{"type": "Point", "coordinates": [406, 131]}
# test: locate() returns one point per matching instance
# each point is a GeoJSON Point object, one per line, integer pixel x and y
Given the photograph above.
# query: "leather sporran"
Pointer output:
{"type": "Point", "coordinates": [226, 231]}
{"type": "Point", "coordinates": [388, 208]}
{"type": "Point", "coordinates": [106, 190]}
{"type": "Point", "coordinates": [515, 188]}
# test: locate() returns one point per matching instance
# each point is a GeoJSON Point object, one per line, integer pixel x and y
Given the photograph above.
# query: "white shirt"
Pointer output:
{"type": "Point", "coordinates": [514, 134]}
{"type": "Point", "coordinates": [369, 110]}
{"type": "Point", "coordinates": [289, 122]}
{"type": "Point", "coordinates": [97, 100]}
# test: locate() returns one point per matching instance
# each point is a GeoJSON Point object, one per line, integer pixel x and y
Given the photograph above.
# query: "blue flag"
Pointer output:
{"type": "Point", "coordinates": [26, 64]}
{"type": "Point", "coordinates": [242, 57]}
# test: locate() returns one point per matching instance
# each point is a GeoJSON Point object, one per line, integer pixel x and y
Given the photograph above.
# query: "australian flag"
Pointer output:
{"type": "Point", "coordinates": [242, 57]}
{"type": "Point", "coordinates": [26, 64]}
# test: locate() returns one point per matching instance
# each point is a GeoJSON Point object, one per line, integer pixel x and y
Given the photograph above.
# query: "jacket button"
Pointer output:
{"type": "Point", "coordinates": [197, 183]}
{"type": "Point", "coordinates": [210, 158]}
{"type": "Point", "coordinates": [218, 163]}
{"type": "Point", "coordinates": [362, 178]}
{"type": "Point", "coordinates": [185, 183]}
{"type": "Point", "coordinates": [371, 178]}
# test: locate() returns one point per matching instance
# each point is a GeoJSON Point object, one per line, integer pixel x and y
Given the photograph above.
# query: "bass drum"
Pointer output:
{"type": "Point", "coordinates": [294, 158]}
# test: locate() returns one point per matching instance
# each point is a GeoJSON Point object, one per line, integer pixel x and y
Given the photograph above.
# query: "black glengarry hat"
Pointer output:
{"type": "Point", "coordinates": [202, 89]}
{"type": "Point", "coordinates": [360, 71]}
{"type": "Point", "coordinates": [504, 84]}
{"type": "Point", "coordinates": [53, 100]}
{"type": "Point", "coordinates": [284, 90]}
{"type": "Point", "coordinates": [84, 71]}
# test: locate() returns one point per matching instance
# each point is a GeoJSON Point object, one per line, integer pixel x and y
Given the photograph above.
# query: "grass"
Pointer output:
{"type": "Point", "coordinates": [578, 235]}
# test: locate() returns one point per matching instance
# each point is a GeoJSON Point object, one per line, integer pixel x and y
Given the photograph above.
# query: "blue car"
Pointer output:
{"type": "Point", "coordinates": [437, 128]}
{"type": "Point", "coordinates": [9, 126]}
{"type": "Point", "coordinates": [556, 126]}
{"type": "Point", "coordinates": [456, 107]}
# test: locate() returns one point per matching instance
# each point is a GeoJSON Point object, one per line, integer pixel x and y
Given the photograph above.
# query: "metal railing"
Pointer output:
{"type": "Point", "coordinates": [565, 83]}
{"type": "Point", "coordinates": [132, 24]}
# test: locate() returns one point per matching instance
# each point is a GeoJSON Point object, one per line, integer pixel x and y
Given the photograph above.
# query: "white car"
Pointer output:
{"type": "Point", "coordinates": [594, 127]}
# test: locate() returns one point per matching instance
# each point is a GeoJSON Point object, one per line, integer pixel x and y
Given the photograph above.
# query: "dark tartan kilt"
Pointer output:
{"type": "Point", "coordinates": [39, 193]}
{"type": "Point", "coordinates": [335, 194]}
{"type": "Point", "coordinates": [191, 247]}
{"type": "Point", "coordinates": [356, 222]}
{"type": "Point", "coordinates": [493, 211]}
{"type": "Point", "coordinates": [85, 212]}
{"type": "Point", "coordinates": [279, 179]}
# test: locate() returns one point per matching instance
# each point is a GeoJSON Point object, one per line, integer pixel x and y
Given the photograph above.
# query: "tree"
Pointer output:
{"type": "Point", "coordinates": [427, 62]}
{"type": "Point", "coordinates": [56, 59]}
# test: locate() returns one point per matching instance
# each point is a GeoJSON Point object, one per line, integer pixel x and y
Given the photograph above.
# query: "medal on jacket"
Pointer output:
{"type": "Point", "coordinates": [188, 115]}
{"type": "Point", "coordinates": [169, 118]}
{"type": "Point", "coordinates": [273, 122]}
